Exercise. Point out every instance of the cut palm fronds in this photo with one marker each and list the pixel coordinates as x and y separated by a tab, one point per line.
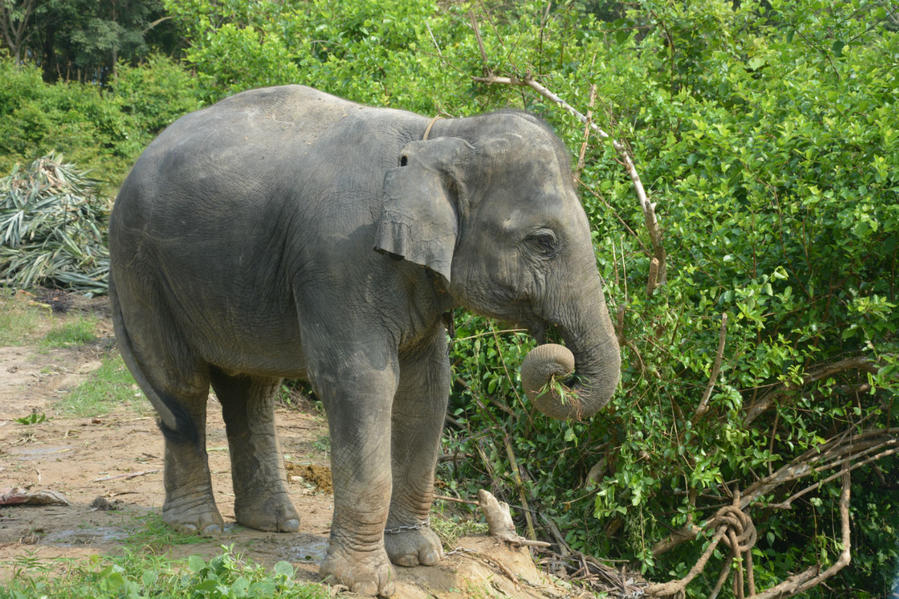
52	226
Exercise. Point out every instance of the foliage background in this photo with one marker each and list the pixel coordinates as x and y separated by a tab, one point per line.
765	131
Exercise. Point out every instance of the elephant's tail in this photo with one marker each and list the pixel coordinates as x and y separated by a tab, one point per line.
174	421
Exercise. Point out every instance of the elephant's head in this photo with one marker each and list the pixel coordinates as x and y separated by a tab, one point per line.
489	205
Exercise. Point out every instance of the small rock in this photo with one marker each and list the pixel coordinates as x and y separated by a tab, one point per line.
104	505
89	367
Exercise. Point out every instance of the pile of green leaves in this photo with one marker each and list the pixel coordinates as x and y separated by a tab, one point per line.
52	228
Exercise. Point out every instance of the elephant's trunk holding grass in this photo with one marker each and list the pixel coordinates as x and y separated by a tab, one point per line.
284	232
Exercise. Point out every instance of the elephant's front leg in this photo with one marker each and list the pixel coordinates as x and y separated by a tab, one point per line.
418	413
357	392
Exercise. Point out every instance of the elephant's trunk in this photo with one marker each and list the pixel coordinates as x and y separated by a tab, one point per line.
594	359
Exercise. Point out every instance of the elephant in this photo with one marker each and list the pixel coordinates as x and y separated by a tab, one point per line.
287	233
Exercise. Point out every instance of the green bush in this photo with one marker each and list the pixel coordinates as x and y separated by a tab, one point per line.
102	130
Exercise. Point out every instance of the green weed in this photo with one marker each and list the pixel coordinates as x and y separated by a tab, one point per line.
80	331
137	575
450	528
33	418
18	319
153	535
323	444
109	386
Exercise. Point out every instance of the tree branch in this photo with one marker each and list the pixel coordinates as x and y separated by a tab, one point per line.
839	450
649	212
703	406
763	403
813	576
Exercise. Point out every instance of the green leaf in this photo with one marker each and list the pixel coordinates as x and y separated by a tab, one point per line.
196	564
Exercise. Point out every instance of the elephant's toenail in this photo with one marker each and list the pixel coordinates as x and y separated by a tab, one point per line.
291	525
365	588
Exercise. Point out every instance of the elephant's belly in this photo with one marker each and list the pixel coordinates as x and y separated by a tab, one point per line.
252	349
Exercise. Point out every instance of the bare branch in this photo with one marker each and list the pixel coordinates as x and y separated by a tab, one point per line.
766	401
583	152
703	406
477	34
813	576
649	213
838	451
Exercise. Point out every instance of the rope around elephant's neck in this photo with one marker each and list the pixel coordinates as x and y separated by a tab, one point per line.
428	129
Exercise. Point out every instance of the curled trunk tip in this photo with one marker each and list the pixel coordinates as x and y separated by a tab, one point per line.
542	372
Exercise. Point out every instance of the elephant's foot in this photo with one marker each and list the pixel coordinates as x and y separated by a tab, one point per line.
273	512
193	514
364	572
413	547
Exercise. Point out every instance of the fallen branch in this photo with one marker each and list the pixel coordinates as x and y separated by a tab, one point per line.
20	496
126	476
499	521
455	499
649	213
841	451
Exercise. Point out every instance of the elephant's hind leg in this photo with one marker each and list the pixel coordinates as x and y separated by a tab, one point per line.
257	471
177	384
189	503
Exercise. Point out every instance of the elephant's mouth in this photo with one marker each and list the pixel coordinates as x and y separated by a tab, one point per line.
544	332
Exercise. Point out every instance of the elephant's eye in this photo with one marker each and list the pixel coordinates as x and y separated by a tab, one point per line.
544	242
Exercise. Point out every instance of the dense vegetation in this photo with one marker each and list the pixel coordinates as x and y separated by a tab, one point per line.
765	131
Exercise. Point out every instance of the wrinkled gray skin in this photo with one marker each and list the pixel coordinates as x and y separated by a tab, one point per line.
284	232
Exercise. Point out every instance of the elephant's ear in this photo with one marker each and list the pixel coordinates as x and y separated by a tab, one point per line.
418	216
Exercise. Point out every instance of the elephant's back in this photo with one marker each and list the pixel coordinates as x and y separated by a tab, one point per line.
287	171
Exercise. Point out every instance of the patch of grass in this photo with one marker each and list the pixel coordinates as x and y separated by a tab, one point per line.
33	418
18	319
450	528
322	444
108	387
137	574
79	331
153	535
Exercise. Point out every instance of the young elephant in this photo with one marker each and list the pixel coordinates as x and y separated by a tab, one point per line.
284	232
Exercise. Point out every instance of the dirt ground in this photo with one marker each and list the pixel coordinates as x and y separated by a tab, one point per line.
116	460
